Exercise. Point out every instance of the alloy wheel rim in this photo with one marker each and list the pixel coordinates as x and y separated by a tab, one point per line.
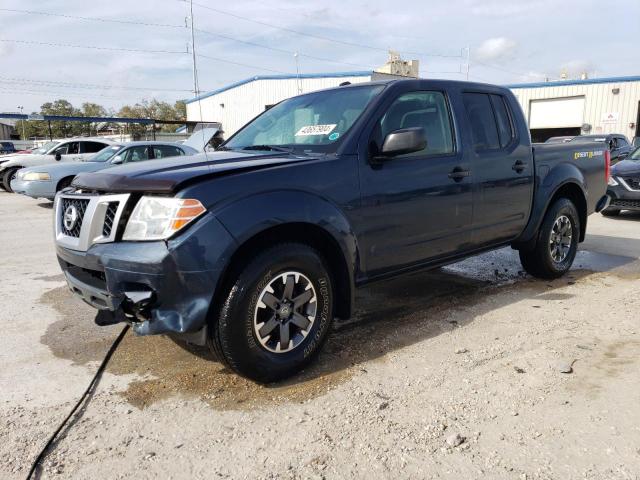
285	312
560	239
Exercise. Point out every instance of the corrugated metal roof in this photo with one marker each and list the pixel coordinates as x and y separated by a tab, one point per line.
362	73
588	81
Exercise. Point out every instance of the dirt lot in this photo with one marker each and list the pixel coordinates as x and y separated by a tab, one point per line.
474	350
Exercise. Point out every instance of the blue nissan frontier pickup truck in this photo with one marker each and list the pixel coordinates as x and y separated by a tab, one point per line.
255	248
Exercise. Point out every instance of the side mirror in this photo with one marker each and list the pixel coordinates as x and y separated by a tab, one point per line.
403	141
58	156
116	160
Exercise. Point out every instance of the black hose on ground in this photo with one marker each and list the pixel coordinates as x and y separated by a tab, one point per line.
94	383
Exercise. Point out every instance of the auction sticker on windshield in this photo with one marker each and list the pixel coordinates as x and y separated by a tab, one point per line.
315	130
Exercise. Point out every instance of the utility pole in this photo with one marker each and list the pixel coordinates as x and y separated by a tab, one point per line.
196	89
21	108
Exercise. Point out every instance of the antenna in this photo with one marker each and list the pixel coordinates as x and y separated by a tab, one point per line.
295	55
196	87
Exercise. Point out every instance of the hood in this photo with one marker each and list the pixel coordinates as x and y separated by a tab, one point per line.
199	139
626	167
164	176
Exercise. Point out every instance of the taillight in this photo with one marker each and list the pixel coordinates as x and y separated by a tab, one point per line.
607	166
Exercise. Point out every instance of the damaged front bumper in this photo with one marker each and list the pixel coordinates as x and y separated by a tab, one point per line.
157	287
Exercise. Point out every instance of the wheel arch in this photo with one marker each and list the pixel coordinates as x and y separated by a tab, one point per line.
564	181
294	216
66	177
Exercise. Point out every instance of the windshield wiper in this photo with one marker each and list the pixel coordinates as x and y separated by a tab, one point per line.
274	148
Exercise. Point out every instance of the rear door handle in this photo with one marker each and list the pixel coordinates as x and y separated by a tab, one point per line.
458	173
519	166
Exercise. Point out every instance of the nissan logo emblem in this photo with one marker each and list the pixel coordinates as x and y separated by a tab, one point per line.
70	217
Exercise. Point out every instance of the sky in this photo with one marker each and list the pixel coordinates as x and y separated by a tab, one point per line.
119	52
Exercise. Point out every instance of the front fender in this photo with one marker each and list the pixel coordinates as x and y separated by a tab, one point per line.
251	215
548	183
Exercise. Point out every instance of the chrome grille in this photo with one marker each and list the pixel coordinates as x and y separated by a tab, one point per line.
96	218
70	205
109	218
625	203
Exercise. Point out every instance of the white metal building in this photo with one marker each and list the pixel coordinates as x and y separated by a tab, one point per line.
236	104
572	107
568	107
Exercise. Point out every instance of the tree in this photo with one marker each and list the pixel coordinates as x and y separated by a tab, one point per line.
144	109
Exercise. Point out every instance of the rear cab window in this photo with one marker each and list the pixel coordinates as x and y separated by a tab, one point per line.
490	121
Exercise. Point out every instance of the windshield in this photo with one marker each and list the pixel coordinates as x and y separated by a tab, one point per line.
316	120
105	154
46	148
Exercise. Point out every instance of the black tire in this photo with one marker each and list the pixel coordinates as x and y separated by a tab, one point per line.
234	330
7	176
539	261
64	183
610	212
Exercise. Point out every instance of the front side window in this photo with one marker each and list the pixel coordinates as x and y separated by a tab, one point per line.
426	109
315	121
136	154
484	132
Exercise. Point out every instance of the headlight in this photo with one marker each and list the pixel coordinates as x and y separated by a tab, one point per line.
38	176
612	182
157	218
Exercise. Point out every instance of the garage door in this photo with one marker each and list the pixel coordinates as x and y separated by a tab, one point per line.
557	113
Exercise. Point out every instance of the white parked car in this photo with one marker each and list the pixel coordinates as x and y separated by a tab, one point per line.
73	149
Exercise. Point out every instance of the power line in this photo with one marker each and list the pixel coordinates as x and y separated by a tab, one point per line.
200	55
90	47
90	19
311	35
89	86
280	50
44	92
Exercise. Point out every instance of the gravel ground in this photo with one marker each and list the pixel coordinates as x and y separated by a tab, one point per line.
471	371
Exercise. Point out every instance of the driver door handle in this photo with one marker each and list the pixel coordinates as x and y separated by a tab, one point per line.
519	166
458	173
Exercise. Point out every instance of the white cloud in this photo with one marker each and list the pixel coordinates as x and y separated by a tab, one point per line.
496	50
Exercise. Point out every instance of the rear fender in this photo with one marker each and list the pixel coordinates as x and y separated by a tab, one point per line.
548	184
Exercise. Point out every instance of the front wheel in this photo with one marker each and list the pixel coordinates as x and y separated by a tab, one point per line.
557	242
8	175
276	314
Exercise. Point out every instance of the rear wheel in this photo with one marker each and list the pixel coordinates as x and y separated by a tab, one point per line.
557	242
276	314
611	212
9	174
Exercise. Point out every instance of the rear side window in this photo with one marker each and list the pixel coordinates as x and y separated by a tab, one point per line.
92	147
503	121
483	125
164	151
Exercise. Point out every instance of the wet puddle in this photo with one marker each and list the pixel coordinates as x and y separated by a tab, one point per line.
391	315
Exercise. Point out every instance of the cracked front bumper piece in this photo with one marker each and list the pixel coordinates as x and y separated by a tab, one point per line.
157	287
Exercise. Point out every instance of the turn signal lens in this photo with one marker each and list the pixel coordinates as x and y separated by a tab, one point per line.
158	218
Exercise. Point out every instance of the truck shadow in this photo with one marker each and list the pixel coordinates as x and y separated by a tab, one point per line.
390	316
